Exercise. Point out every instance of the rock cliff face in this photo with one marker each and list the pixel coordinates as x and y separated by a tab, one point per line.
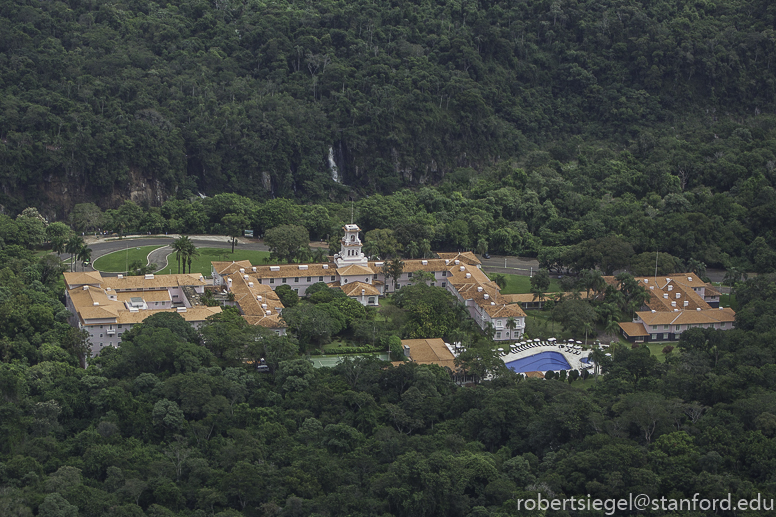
55	196
62	185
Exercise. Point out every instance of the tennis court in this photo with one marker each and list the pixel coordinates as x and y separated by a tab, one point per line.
327	361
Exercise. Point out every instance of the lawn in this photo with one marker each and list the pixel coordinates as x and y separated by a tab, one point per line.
201	263
657	350
728	300
117	261
520	284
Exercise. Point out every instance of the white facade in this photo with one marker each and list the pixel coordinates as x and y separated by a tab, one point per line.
365	281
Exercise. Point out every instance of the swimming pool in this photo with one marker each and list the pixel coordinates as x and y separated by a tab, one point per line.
540	362
585	360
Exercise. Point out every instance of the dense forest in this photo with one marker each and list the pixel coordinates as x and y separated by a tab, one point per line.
103	100
562	220
588	134
174	423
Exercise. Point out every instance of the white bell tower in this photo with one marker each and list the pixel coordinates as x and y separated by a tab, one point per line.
350	248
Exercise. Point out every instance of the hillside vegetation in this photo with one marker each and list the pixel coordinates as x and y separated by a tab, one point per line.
174	423
100	100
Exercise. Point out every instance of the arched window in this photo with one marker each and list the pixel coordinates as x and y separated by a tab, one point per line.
352	237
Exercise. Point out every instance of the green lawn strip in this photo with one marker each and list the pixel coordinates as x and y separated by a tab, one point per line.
728	300
117	261
521	284
333	346
657	349
201	263
584	385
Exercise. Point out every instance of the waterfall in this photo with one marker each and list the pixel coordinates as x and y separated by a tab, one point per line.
333	166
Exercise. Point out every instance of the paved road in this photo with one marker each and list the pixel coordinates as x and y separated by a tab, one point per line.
102	247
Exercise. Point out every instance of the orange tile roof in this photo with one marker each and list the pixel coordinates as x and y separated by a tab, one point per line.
227	267
663	293
466	257
273	321
147	296
292	270
430	351
84	301
355	270
73	279
192	314
512	310
676	287
88	296
247	296
354	289
98	313
633	329
681	317
157	282
459	276
431	265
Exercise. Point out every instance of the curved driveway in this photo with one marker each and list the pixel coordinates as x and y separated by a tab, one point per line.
102	247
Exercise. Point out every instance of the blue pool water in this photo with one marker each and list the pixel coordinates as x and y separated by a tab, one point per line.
540	362
585	360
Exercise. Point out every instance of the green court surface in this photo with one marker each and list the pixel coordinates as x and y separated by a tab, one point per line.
327	361
117	261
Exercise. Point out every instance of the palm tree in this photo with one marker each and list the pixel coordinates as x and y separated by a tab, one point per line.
393	269
319	255
499	279
58	245
177	248
73	245
732	277
489	330
183	247
304	254
191	255
597	355
593	281
424	248
538	294
611	327
412	251
587	327
511	326
84	255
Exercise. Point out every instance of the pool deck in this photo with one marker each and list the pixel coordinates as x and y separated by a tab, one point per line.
575	361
